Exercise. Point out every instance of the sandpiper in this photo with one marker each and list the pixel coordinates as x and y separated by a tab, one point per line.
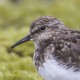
57	49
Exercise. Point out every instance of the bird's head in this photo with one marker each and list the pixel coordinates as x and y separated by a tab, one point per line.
42	29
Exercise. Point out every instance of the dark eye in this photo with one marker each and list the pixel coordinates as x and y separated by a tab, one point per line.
43	28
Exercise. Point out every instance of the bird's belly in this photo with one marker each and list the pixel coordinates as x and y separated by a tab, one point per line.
51	70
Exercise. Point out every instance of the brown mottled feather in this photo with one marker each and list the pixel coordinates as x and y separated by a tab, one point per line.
67	48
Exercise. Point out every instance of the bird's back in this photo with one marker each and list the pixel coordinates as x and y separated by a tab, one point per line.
67	48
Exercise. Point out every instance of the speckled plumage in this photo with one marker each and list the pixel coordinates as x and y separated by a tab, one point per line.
57	49
64	46
66	43
56	42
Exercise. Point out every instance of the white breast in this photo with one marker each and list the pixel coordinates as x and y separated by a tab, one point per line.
51	70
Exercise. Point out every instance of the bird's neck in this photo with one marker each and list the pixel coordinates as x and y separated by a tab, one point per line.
39	55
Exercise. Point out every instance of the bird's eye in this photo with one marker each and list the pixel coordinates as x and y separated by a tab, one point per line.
43	28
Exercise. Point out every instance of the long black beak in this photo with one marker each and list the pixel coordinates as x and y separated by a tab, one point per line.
25	39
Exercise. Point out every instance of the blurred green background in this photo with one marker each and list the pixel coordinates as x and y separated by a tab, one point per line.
15	19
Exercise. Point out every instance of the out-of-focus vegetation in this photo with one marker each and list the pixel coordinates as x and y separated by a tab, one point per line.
15	19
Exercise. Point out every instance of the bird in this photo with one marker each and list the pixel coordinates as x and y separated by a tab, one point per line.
57	49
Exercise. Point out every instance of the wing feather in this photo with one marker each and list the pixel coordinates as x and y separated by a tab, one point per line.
67	48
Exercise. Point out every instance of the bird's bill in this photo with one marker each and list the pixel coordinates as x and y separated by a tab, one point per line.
25	39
